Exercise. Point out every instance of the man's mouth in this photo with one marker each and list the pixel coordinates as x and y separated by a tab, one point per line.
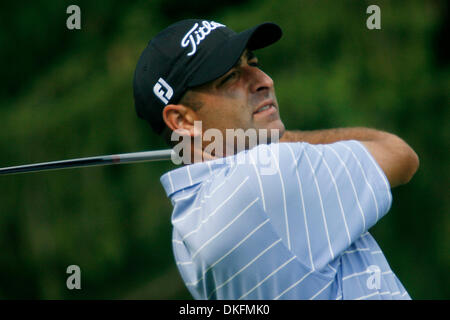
266	108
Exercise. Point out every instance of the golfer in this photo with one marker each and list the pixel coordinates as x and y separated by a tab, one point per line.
297	231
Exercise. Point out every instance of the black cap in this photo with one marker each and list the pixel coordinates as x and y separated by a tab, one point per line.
186	54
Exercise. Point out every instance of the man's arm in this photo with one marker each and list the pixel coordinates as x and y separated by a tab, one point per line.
395	157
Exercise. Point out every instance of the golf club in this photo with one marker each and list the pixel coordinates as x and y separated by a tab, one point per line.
133	157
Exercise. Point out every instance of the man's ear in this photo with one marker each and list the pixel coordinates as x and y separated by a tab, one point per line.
180	118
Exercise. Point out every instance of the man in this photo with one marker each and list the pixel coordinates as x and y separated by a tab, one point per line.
299	232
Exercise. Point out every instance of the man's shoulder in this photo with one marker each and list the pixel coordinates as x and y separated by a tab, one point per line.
262	160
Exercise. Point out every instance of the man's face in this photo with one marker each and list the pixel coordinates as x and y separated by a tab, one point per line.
242	98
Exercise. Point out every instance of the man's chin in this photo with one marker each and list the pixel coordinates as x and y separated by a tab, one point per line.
273	131
276	130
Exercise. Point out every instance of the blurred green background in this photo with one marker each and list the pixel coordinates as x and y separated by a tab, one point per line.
68	94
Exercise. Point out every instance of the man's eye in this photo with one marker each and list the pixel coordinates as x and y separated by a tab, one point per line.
232	75
229	77
253	63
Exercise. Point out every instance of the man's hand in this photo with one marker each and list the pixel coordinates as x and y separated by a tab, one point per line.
395	157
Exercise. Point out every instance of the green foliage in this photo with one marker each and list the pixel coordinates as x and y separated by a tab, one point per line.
68	94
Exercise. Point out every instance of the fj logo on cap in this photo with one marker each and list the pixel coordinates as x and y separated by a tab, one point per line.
200	34
163	91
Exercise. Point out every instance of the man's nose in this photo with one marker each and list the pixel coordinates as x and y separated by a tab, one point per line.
260	81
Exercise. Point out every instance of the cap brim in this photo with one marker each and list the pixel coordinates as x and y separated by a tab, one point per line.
226	56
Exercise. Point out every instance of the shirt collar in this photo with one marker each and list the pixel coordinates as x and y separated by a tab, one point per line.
189	175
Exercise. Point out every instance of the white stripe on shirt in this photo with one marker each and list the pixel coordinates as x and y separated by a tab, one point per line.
243	268
228	253
189	174
382	175
303	207
353	186
172	189
284	201
259	182
224	228
215	210
366	180
293	285
321	290
356	250
321	204
186	215
265	279
339	199
222	183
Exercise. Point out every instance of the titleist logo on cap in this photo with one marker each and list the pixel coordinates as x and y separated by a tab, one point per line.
200	34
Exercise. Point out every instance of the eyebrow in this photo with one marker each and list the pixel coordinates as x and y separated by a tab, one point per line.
249	55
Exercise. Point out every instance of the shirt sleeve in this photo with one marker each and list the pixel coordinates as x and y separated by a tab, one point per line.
332	194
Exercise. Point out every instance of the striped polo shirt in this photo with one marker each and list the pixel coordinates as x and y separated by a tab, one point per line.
292	224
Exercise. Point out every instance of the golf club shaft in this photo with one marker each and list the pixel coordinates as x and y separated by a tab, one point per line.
91	161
